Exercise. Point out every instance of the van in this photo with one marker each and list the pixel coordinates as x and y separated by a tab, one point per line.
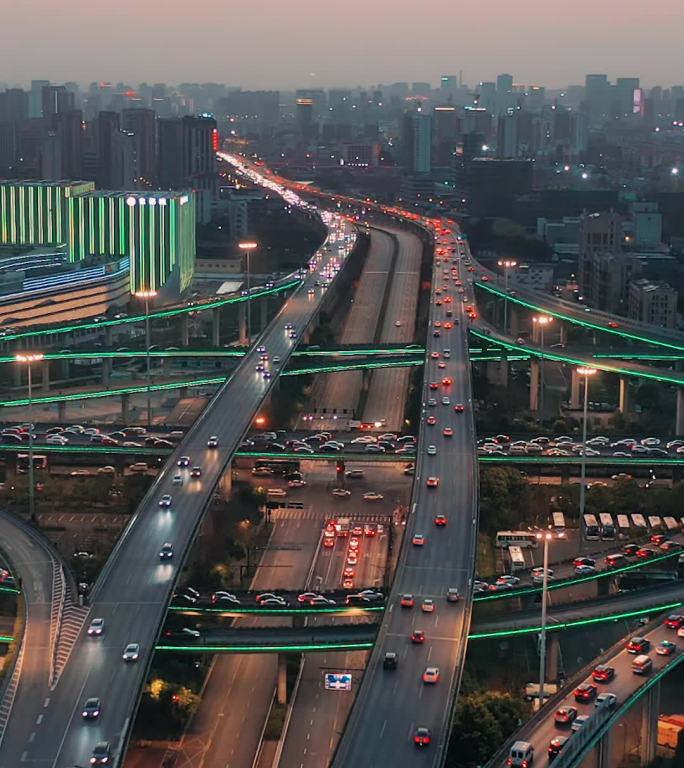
139	466
521	755
642	665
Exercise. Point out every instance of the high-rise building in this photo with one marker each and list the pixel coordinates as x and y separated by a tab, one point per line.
108	127
36	97
69	128
14	105
505	99
304	117
647	224
597	97
417	142
487	96
141	123
599	233
55	100
623	103
446	124
507	134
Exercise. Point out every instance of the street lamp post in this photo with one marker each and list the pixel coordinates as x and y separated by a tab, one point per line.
248	246
506	264
587	373
28	359
546	537
147	295
542	321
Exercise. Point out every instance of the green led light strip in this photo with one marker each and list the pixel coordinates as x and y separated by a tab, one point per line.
576	623
89	448
569	318
326	456
52	331
571	582
354	367
6	639
273	611
577	459
360	646
595	362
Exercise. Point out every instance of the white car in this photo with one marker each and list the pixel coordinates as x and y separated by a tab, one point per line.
96	628
373	496
131	652
428	605
432	450
446	401
341	493
178	479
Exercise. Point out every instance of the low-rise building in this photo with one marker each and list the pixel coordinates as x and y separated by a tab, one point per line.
653	302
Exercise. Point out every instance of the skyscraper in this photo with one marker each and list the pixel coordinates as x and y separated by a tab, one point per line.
507	134
417	142
108	126
446	134
141	123
597	96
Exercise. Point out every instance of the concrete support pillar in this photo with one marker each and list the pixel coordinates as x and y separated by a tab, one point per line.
497	372
64	369
226	482
242	324
45	375
679	418
282	679
575	390
16	374
604	751
108	334
106	370
263	313
650	709
534	385
185	330
624	395
216	327
536	333
125	408
61	411
563	335
513	320
552	655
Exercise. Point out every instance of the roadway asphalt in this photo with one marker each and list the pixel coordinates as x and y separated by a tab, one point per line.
135	586
391	705
387	390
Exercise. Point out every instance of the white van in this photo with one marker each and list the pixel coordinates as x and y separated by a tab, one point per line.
521	755
642	664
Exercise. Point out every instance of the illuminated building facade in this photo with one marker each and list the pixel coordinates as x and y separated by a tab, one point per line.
155	230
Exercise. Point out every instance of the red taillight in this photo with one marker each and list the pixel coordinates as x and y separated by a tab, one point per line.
524	764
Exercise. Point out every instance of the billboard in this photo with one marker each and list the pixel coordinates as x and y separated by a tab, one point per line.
337	682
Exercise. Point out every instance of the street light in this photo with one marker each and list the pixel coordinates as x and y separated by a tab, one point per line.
541	321
506	264
546	537
587	373
147	295
28	359
248	246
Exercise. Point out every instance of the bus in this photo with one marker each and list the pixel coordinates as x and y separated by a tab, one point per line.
517	559
591	528
516	539
278	466
558	520
607	526
40	461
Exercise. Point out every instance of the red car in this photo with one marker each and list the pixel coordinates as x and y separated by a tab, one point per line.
348	573
328	542
447	381
645	552
418	636
586	692
459	408
657	538
565	716
448	432
407	601
603	673
440	520
432	482
638	645
674	621
422	737
431	420
434	385
613	324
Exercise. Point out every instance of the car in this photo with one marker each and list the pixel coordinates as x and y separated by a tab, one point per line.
603	673
616	560
448	432
674	621
508	579
341	493
356	599
184	461
555	746
407	601
213	442
373	496
131	652
328	542
348	573
584	570
434	355
613	324
428	605
222	597
433	385
166	552
296	483
166	501
453	595
354	473
369	530
268	596
96	627
101	754
418	636
91	709
391	660
422	737
459	408
431	675
447	381
352	558
586	692
304	597
441	364
579	722
432	482
638	645
630	550
177	480
432	450
446	401
583	561
196	472
320	600
657	538
646	553
565	716
418	540
665	648
431	421
353	543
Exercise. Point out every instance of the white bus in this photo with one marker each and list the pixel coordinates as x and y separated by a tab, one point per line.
591	528
623	522
638	520
516	539
558	520
607	526
671	524
655	522
517	559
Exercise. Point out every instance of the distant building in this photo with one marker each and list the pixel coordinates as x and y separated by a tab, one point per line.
599	233
538	277
653	302
495	184
446	132
647	225
507	135
417	142
611	275
361	155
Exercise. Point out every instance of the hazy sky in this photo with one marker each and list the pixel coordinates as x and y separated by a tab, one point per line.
287	43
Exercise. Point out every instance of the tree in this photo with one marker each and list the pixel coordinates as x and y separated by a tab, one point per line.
504	498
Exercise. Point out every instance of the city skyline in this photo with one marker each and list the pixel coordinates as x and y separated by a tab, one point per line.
385	47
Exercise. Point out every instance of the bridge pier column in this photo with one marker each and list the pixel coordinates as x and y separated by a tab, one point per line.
513	320
604	751
679	419
282	679
185	330
552	656
242	324
534	385
109	336
575	390
61	411
263	314
650	709
497	373
125	408
16	375
624	395
106	370
45	371
64	370
563	334
216	327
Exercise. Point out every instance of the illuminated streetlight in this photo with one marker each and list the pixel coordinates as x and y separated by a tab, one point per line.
541	321
506	264
546	536
586	373
27	359
248	246
147	295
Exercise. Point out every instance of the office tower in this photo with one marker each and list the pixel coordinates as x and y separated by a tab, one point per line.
304	118
421	89
417	142
448	83
597	97
654	303
487	96
507	134
504	93
599	233
14	105
249	113
56	100
446	134
69	128
107	130
623	104
36	97
534	98
141	123
51	165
